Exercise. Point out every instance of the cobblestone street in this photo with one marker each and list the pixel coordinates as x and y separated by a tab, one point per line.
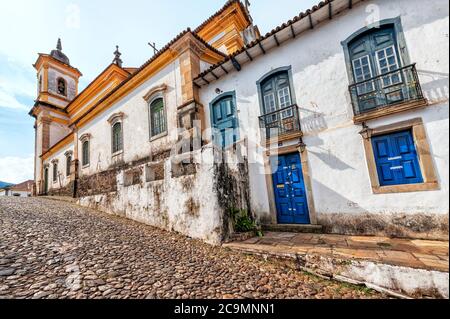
51	249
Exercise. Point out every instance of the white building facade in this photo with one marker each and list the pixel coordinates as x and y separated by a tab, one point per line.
336	121
350	187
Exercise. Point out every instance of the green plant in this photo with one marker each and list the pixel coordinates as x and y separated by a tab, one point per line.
243	223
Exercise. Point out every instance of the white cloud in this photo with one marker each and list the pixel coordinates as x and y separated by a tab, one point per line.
16	169
15	81
9	101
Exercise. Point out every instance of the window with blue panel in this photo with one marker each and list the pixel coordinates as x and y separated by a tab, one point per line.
396	159
224	120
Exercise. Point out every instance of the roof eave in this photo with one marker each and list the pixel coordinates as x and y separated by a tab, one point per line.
272	39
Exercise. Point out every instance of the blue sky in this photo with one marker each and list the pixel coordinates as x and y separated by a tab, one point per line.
90	29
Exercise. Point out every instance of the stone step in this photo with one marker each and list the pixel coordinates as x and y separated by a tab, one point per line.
294	228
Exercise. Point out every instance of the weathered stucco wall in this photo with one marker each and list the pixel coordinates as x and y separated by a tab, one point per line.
192	201
136	130
342	191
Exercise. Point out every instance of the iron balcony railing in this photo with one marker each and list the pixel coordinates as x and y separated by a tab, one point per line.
280	122
395	87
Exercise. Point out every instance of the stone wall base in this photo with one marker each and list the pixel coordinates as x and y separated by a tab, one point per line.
420	226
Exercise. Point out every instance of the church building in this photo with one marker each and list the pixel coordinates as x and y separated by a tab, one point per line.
335	121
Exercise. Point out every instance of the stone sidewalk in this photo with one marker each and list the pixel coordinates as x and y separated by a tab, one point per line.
335	255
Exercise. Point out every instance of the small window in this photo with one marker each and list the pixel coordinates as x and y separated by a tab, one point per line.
68	164
55	172
117	140
62	87
85	151
40	83
157	117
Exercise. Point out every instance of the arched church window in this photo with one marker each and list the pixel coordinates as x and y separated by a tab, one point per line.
85	153
62	87
68	164
157	117
55	172
117	141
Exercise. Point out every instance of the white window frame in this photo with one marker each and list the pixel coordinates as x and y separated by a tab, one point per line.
371	74
389	76
287	113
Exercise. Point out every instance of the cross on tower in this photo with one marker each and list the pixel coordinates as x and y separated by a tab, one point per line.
117	60
153	46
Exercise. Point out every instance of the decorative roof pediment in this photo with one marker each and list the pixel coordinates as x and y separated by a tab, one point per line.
85	137
68	153
154	90
116	117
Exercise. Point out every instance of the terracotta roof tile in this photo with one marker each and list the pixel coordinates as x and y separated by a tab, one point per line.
219	12
287	24
23	187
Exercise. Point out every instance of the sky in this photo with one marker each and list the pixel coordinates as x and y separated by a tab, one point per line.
90	30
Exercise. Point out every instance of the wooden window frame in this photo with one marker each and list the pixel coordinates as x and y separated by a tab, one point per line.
68	164
55	172
157	96
425	159
224	95
113	142
86	162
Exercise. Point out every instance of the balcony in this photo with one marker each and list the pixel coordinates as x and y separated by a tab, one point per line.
282	124
390	93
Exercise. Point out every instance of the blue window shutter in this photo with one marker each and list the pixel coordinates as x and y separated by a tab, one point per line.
224	121
396	159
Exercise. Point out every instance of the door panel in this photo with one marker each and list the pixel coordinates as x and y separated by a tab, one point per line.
290	194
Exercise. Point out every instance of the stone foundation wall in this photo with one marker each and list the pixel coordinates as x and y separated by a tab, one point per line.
420	226
101	183
66	191
190	198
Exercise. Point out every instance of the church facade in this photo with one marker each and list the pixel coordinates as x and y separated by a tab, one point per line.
335	121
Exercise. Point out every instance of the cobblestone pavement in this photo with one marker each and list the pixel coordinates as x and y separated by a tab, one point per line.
51	249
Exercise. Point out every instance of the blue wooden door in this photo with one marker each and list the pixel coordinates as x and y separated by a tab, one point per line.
224	120
396	159
289	187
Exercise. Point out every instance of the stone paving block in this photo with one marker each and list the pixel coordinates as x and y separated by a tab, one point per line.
356	253
131	260
441	265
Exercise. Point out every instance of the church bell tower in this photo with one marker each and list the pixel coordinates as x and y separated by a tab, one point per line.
57	86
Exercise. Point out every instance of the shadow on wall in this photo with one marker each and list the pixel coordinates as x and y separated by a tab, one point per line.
313	122
435	85
331	160
326	156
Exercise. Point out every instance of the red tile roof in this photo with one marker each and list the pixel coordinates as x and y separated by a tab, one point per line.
256	42
23	187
